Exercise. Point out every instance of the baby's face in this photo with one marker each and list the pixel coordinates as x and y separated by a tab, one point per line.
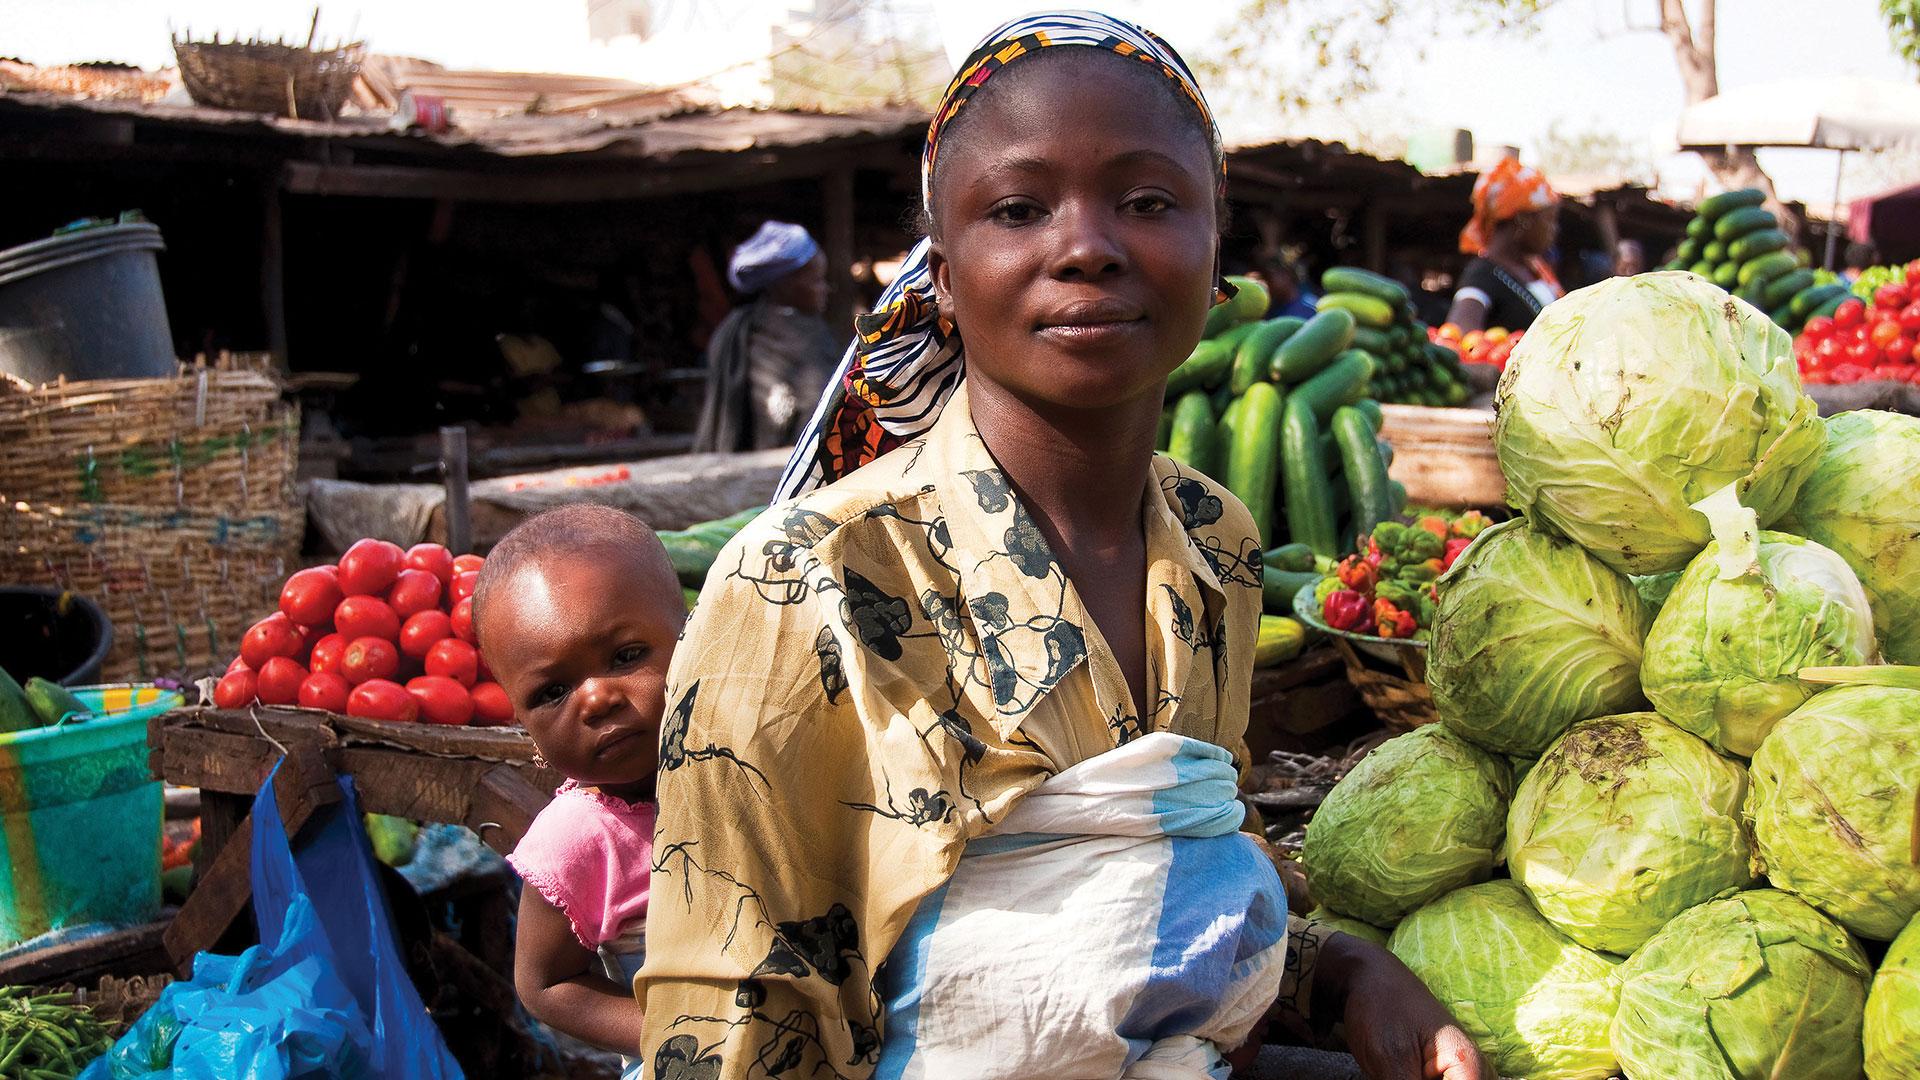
581	643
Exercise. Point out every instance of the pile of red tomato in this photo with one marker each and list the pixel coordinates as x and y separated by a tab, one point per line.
1862	341
1490	346
386	634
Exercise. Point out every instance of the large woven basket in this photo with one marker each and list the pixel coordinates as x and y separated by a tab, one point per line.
269	76
171	502
1399	698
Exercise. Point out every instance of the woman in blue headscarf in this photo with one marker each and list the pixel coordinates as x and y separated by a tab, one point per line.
948	767
770	357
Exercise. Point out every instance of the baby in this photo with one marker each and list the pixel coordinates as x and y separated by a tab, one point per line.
577	611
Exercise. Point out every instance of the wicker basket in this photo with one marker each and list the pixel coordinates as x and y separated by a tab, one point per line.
171	502
1400	699
269	76
117	1003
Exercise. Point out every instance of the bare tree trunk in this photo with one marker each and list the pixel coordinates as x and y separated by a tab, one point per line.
1693	50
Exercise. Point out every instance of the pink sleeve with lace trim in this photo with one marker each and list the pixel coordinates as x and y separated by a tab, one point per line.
590	856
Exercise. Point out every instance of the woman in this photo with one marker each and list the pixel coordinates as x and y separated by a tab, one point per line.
1516	217
945	780
769	357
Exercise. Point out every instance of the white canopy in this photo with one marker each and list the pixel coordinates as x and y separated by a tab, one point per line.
1835	113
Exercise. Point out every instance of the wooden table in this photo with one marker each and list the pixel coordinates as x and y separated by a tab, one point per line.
1444	456
483	778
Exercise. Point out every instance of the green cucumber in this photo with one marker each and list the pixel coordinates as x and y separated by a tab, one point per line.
1783	317
1807	300
1191	443
1768	266
1249	304
1210	362
1386	452
1279	587
1342	382
1827	307
1223	437
1715	252
1754	294
1737	223
50	701
1713	206
1313	346
1253	456
1255	355
1309	499
1726	275
1354	279
14	713
1703	268
1755	244
1292	557
1366	474
1377	342
690	558
1399	497
1366	310
1688	253
1374	416
1700	228
1785	287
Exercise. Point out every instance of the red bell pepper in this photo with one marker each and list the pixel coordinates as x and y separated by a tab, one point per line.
1348	610
1454	547
1394	623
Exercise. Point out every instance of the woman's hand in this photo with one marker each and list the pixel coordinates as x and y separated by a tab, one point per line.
1396	1029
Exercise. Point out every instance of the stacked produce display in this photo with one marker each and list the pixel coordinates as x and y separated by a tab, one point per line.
1736	243
1667	821
1409	368
1492	346
1873	333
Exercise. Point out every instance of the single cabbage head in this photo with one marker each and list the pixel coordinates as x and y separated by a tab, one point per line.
1420	816
1750	612
1626	822
1537	1004
1833	806
1363	930
1633	399
1893	1011
1862	502
1757	986
1531	634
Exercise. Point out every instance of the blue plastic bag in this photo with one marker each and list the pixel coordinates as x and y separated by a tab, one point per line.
325	994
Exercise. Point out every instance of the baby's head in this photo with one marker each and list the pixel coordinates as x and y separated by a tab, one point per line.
577	611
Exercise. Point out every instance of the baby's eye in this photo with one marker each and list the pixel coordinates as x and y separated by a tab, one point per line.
550	694
630	654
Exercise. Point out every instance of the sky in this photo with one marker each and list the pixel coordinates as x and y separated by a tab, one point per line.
1581	69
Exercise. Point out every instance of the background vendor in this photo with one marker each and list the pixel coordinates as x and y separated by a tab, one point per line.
1516	217
770	358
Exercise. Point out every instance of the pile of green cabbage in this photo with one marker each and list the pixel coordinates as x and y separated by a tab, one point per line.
1696	539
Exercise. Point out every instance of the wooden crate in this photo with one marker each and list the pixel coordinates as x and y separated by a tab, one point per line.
1444	456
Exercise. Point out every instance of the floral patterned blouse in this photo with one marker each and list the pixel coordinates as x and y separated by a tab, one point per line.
875	673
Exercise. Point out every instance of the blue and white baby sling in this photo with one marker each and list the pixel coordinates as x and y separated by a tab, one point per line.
1114	924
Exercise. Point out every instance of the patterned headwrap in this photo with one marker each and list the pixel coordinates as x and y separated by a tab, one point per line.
905	359
1507	190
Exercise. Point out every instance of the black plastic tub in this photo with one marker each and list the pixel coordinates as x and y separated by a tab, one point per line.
86	305
59	636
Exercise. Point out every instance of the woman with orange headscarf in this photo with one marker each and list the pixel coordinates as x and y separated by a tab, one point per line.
1516	216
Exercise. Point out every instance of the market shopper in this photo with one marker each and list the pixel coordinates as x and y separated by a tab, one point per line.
948	771
1516	217
769	358
577	611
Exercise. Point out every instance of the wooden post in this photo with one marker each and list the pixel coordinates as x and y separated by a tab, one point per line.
837	192
273	277
453	470
1607	217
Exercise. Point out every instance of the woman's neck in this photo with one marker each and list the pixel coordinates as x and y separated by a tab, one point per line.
1509	253
1081	473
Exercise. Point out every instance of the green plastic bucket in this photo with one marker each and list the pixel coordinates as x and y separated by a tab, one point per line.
80	817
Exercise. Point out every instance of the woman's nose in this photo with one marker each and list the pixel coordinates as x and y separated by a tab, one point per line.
1087	245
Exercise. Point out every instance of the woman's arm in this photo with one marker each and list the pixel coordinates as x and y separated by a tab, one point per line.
560	981
1469	313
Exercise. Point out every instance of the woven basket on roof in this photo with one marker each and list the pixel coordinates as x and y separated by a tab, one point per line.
1401	700
171	502
269	77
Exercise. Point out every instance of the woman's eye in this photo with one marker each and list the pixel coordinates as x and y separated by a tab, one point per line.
1015	213
1149	204
630	654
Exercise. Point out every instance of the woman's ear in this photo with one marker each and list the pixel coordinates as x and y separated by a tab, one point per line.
939	271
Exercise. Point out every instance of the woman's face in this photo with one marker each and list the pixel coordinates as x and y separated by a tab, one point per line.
1075	232
1539	229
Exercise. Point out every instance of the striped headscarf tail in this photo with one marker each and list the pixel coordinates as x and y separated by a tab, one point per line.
906	359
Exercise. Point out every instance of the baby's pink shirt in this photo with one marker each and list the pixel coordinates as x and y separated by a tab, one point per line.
591	855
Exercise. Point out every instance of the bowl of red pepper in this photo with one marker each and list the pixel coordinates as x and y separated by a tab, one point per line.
1382	598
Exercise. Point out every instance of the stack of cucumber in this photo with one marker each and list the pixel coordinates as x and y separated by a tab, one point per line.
1277	410
1738	244
693	549
1408	369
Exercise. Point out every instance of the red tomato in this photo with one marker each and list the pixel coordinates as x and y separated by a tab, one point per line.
325	658
309	596
1848	373
279	681
1915	355
433	558
1912	272
323	690
413	591
235	690
490	704
1910	318
369	567
369	658
417	637
366	616
442	700
1862	354
379	699
467	564
1890	297
462	586
1850	313
1883	332
463	620
1890	373
239	664
454	659
272	636
1818	327
1898	350
1829	350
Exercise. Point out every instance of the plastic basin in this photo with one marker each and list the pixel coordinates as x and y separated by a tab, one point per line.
80	817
